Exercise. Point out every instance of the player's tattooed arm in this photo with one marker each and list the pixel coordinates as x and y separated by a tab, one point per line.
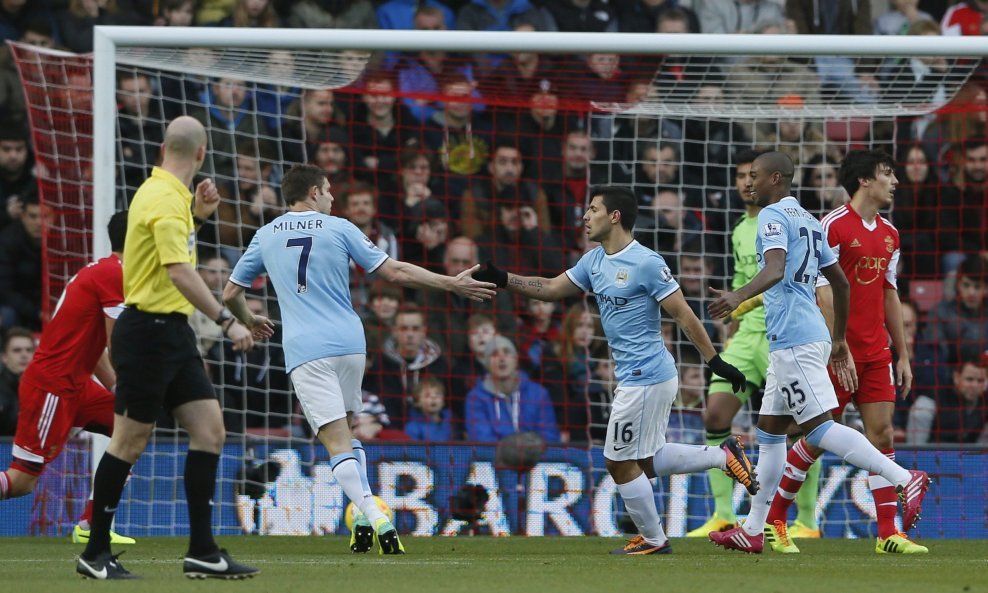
543	289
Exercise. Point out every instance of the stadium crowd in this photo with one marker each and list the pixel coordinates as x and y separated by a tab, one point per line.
449	160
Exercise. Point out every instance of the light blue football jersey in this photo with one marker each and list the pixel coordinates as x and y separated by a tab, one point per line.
307	256
792	317
628	286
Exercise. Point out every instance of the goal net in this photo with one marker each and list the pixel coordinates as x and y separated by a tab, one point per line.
449	149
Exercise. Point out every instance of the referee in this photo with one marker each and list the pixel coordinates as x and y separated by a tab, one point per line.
157	363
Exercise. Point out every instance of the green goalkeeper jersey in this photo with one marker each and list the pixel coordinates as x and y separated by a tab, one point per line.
745	268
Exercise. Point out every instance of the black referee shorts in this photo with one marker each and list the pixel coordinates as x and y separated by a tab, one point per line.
158	364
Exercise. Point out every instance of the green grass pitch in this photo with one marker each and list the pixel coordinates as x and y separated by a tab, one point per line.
516	564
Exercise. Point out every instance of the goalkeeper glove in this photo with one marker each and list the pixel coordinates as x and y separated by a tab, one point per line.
491	273
729	372
748	305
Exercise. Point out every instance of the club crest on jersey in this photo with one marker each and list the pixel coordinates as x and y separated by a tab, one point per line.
889	243
621	278
772	229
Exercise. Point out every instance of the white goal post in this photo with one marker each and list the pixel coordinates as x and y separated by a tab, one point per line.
109	41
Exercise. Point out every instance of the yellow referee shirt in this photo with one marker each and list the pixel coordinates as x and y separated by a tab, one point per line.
160	231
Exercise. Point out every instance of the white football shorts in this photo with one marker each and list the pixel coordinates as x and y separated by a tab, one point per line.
639	419
797	383
328	388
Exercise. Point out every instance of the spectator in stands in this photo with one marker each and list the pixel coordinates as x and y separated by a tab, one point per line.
538	334
520	238
964	205
372	422
901	15
819	190
20	267
643	16
520	76
964	116
763	79
505	186
408	357
692	382
830	17
402	14
332	14
318	112
16	171
253	385
358	204
568	193
429	419
247	201
696	273
423	73
469	368
506	401
916	79
214	271
453	312
457	133
583	16
500	15
567	369
140	120
423	240
251	13
38	31
957	329
18	349
18	16
799	138
916	214
75	23
965	18
227	112
541	131
955	415
381	128
177	13
603	80
274	101
330	154
708	145
667	226
743	16
413	185
383	300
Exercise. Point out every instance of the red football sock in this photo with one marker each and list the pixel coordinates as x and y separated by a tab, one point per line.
87	515
886	501
798	461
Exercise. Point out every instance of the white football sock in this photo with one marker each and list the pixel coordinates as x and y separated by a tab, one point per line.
854	448
346	470
361	455
771	463
676	458
639	499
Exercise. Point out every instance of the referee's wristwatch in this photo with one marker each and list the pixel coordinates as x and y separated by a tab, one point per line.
224	317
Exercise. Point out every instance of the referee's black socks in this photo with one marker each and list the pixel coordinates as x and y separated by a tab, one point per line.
200	484
111	475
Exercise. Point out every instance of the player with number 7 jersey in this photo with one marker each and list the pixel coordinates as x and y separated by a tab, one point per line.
792	252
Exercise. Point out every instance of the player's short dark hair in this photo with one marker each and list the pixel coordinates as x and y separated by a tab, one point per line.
621	199
117	229
861	164
745	156
296	183
974	268
16	332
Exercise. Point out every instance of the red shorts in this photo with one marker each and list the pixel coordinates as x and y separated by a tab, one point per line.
45	422
876	383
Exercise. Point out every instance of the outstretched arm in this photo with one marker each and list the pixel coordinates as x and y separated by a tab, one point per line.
533	287
412	276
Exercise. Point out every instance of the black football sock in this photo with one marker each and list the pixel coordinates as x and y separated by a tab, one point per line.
200	483
108	484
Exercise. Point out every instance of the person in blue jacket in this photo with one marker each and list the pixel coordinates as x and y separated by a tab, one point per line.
506	401
429	419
